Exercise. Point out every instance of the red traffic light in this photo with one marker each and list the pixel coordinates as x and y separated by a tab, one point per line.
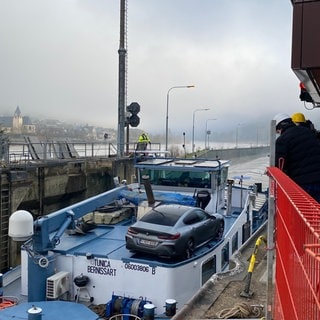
304	94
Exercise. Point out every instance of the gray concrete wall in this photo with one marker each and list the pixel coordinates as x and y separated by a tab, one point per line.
45	188
227	154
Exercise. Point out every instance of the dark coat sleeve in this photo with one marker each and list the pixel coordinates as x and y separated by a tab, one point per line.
298	155
281	157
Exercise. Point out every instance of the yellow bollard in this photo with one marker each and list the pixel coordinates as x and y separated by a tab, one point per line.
246	292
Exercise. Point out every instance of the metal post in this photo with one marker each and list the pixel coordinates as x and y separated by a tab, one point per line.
184	144
205	109
122	94
237	133
206	139
270	239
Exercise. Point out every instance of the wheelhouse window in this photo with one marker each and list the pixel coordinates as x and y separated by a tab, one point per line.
178	178
225	256
209	268
235	242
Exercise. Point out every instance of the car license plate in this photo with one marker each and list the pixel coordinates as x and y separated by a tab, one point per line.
148	243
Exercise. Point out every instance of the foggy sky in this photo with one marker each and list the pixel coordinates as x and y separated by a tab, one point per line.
59	59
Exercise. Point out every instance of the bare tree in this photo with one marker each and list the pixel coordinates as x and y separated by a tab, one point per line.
4	146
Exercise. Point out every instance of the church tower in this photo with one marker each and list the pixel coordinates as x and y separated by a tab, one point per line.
17	121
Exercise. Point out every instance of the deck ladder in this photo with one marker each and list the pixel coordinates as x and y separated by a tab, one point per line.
4	221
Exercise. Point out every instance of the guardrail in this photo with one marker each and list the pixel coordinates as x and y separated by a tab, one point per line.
34	151
297	244
22	153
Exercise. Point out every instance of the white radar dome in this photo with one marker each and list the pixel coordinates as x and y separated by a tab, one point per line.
21	225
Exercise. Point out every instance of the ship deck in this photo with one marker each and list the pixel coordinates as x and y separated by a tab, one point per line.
107	241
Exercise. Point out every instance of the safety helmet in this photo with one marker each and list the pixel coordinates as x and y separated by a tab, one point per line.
298	117
281	117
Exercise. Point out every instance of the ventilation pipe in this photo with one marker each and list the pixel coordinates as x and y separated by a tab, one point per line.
229	196
148	188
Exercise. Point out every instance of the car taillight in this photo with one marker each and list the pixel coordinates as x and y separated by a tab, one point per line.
132	231
169	236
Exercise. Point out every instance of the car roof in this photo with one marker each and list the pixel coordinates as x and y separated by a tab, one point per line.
165	214
173	208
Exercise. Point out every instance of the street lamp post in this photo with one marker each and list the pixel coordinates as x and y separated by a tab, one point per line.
184	144
237	133
194	112
206	138
167	113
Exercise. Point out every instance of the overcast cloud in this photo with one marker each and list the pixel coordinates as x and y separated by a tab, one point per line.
59	59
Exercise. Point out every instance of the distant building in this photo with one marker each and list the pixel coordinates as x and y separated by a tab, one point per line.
17	124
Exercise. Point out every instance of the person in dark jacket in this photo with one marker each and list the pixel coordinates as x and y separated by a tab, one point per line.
297	154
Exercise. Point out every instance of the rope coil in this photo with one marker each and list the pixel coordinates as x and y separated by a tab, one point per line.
241	311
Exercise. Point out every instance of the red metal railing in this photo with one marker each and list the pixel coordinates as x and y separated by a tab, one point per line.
297	244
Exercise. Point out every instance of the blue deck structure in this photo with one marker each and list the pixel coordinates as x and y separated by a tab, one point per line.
53	310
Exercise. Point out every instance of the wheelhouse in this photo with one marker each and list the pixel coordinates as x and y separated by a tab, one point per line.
186	175
192	173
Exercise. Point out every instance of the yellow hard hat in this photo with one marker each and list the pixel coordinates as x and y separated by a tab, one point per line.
298	117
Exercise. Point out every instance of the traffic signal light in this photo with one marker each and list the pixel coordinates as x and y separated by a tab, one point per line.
134	108
304	94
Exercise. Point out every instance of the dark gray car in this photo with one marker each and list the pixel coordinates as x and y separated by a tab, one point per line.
172	230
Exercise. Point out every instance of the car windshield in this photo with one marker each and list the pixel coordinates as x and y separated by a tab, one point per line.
161	218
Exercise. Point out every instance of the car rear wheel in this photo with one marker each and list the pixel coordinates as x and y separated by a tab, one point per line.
189	249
